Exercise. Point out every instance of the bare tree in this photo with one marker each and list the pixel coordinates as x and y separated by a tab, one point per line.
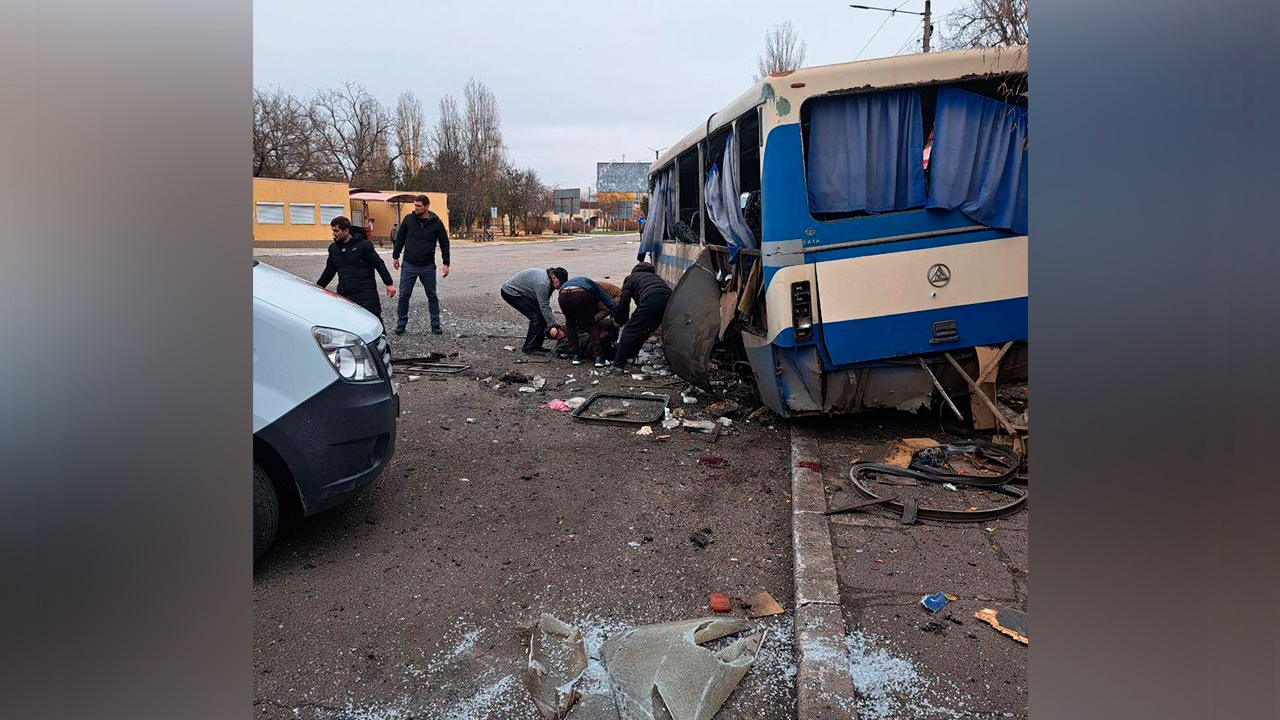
783	51
354	127
986	23
484	148
410	134
445	169
284	135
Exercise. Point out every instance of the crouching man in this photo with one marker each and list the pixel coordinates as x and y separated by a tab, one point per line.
529	292
651	294
587	306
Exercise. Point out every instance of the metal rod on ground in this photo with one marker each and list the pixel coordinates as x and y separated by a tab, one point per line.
938	385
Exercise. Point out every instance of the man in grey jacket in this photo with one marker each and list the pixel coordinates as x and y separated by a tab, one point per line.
529	291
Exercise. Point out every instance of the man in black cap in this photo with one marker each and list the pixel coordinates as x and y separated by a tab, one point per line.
529	291
651	294
354	260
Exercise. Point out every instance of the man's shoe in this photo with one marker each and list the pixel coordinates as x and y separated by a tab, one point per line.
577	359
600	362
437	331
399	331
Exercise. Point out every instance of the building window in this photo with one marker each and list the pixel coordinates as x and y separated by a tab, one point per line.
270	213
329	212
302	214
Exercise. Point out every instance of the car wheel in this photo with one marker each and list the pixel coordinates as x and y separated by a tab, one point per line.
266	512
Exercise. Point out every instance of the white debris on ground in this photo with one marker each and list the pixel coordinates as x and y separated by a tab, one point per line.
497	693
890	686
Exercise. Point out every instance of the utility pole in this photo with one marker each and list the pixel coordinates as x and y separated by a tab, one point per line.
928	24
927	14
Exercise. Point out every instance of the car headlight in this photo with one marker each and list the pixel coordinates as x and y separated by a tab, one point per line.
348	354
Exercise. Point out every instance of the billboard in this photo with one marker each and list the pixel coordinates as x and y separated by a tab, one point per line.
568	200
626	177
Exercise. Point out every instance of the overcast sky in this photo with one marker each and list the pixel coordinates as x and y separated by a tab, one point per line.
578	82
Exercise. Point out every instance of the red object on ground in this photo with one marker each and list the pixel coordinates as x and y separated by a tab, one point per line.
813	465
720	603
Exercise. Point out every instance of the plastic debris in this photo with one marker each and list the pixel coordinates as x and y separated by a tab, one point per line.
670	423
539	382
557	660
637	377
700	425
527	389
646	430
934	602
950	487
415	378
558	405
720	603
508	348
689	400
663	670
724	421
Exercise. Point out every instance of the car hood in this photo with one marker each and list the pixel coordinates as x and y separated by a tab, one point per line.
311	303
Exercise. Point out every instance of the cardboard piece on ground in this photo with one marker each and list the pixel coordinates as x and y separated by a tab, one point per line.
988	616
762	604
900	451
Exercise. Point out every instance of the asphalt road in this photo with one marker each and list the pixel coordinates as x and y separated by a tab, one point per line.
409	601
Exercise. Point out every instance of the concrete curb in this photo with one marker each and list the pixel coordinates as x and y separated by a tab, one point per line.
824	688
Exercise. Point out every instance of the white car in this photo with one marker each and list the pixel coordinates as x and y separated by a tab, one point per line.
324	404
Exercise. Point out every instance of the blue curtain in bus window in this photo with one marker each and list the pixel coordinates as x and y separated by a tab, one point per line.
978	163
866	152
723	207
661	216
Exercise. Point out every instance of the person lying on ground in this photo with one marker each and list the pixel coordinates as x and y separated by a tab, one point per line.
587	306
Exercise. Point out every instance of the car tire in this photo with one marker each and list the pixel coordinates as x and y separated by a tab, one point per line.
266	512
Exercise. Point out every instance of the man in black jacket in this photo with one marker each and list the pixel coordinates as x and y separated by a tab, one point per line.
651	294
417	237
354	261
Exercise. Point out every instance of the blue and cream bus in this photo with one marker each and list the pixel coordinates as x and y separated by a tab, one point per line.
843	228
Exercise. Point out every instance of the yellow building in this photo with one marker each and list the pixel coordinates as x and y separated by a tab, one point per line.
296	212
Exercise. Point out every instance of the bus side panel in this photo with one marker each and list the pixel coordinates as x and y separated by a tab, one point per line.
921	301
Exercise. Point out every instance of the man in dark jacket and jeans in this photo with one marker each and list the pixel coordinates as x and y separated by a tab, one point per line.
354	261
651	294
417	237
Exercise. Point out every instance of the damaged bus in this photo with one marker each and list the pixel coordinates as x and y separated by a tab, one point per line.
856	233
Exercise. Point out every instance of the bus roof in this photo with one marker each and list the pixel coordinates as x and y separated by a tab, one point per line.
899	71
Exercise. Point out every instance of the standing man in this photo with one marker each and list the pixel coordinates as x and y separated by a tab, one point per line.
417	237
529	291
354	262
587	305
651	294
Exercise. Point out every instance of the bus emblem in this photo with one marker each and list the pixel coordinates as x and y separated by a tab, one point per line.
939	275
